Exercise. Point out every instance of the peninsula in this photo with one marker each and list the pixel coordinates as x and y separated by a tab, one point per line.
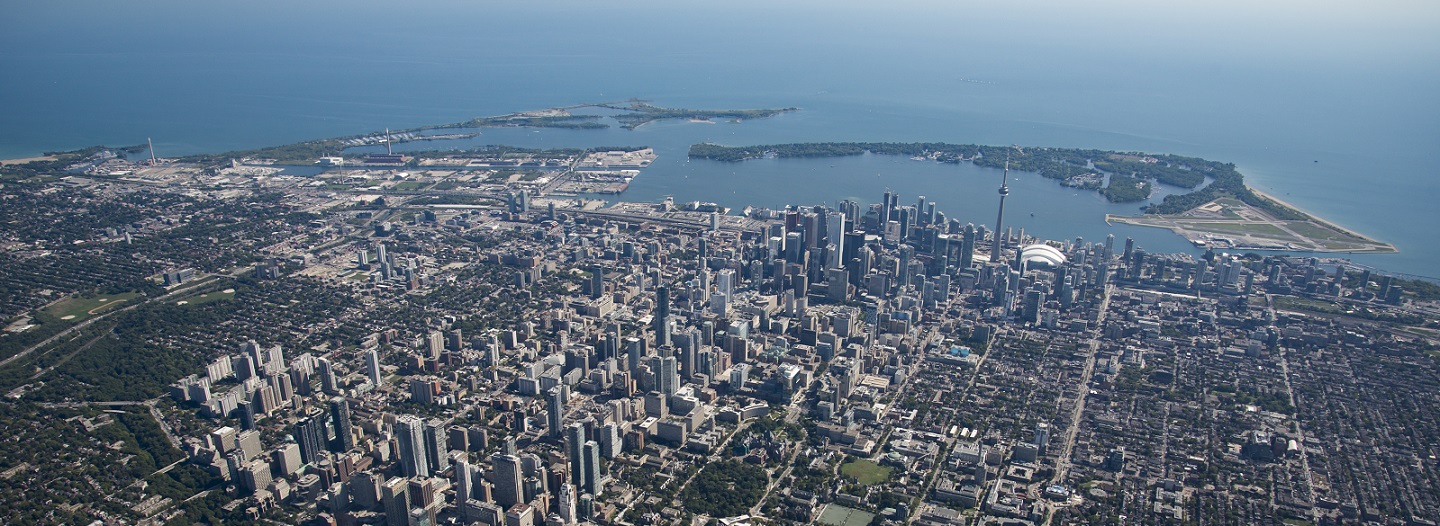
630	114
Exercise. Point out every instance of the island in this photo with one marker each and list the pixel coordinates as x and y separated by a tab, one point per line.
639	113
1219	211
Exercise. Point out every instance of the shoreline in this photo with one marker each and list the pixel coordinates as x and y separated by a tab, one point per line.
1112	219
23	160
1195	230
1321	220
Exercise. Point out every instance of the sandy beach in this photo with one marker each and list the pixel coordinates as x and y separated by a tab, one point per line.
6	162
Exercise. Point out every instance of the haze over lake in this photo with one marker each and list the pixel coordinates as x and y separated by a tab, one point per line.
1331	107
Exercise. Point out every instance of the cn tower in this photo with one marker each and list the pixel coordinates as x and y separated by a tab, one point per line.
1000	218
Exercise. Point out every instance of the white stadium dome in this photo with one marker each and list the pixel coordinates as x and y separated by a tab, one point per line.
1042	254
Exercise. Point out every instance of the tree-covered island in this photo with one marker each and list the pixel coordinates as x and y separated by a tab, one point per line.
1129	172
639	113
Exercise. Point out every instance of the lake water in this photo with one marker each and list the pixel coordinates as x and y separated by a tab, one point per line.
1330	107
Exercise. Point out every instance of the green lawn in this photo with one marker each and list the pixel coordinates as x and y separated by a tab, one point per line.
1314	231
78	309
837	515
209	297
411	185
866	472
1254	229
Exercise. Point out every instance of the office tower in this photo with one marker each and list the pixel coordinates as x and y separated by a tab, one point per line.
422	390
434	344
835	237
967	246
586	506
464	482
689	345
567	503
850	209
839	285
410	433
507	478
668	376
275	362
286	460
705	363
725	282
655	404
597	282
739	374
661	321
492	352
575	452
520	202
1137	266
906	221
610	443
395	495
380	255
340	417
555	411
1012	289
310	436
372	366
455	340
224	439
1030	312
1230	273
1001	281
906	252
328	382
662	307
885	207
365	490
593	478
246	409
1042	436
810	225
256	355
460	439
1000	216
634	348
437	447
794	247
